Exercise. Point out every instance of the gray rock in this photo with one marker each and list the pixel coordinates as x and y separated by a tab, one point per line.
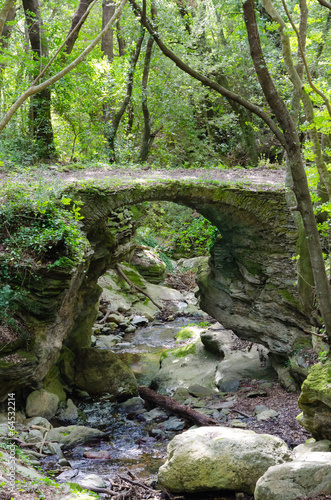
100	371
93	481
200	391
34	436
73	435
217	341
63	462
130	329
181	394
315	401
40	421
266	415
42	403
106	341
238	365
174	424
228	385
307	477
132	404
139	321
70	413
214	458
311	446
53	449
185	366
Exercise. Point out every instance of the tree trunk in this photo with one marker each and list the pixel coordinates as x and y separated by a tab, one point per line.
115	123
4	12
147	139
81	9
120	40
6	32
107	43
171	404
40	104
300	184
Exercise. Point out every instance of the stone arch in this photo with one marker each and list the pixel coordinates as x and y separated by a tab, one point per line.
249	285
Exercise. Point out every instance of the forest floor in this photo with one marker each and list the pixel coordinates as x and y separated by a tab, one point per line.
261	178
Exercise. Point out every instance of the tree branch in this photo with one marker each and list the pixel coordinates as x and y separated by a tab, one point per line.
314	88
205	80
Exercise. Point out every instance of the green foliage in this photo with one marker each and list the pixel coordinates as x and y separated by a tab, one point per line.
323	356
176	231
38	229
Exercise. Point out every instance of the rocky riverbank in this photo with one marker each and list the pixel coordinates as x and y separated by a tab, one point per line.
204	367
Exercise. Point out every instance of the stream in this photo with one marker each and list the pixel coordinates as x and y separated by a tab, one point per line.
136	441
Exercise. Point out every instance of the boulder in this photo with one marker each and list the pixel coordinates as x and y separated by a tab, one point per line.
238	365
217	341
185	366
73	435
216	458
315	401
100	372
148	264
42	404
311	446
306	477
70	413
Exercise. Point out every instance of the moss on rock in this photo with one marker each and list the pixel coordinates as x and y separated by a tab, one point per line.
315	401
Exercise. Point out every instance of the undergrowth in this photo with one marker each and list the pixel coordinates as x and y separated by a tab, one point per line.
38	229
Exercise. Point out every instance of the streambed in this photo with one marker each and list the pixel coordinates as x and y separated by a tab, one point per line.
136	441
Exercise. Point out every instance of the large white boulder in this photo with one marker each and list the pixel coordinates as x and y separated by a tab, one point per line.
216	458
307	476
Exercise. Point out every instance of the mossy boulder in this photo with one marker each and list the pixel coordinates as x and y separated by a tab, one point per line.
54	384
149	264
315	401
42	404
102	372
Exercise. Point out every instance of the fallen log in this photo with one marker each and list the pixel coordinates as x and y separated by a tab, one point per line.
170	404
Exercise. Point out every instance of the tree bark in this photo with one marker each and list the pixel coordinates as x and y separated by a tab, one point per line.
40	104
120	40
107	43
7	7
71	40
170	404
119	114
6	32
147	139
300	184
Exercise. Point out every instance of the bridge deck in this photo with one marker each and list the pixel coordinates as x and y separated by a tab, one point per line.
254	179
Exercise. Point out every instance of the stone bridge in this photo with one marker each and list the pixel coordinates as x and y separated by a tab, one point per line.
250	283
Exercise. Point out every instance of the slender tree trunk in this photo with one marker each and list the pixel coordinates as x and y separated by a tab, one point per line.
4	12
300	184
107	43
40	104
6	32
147	139
71	40
120	40
115	123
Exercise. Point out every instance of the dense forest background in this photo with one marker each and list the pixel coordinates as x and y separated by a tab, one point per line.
129	103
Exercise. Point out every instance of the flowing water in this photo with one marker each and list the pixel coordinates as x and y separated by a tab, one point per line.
132	444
